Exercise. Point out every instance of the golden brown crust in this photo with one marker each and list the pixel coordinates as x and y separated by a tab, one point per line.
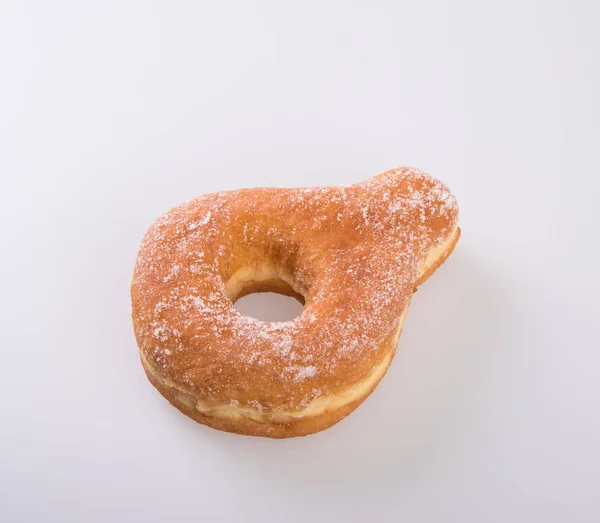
250	427
353	254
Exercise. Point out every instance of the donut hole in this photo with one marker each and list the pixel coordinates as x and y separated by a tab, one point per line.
269	300
263	292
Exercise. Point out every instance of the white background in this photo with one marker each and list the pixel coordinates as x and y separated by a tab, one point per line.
112	112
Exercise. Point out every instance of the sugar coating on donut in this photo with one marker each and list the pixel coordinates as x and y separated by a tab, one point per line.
353	252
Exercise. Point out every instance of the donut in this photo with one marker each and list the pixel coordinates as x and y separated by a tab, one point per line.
352	255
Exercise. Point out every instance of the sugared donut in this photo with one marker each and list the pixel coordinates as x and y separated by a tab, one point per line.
353	255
